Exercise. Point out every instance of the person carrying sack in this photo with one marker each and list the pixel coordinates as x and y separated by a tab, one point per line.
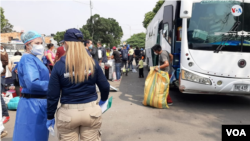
164	60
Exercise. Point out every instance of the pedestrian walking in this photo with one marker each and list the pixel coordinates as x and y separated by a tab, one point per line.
124	53
79	116
131	58
31	115
94	52
102	55
164	60
137	55
51	56
4	61
12	63
3	133
117	56
60	51
88	45
141	65
108	53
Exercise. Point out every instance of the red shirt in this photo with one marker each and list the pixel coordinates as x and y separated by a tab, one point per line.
60	52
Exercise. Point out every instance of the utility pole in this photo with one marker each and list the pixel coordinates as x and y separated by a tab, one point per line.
129	29
91	7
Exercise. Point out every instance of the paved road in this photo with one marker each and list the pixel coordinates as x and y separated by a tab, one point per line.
191	118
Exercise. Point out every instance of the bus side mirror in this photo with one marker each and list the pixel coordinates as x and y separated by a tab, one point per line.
186	8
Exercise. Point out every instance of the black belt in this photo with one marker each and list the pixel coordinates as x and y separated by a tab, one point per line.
34	96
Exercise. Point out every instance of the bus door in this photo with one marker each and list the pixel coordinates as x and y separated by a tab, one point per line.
176	50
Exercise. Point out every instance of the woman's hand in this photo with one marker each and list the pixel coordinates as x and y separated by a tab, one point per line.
50	122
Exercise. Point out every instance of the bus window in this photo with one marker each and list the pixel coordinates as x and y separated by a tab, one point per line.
168	23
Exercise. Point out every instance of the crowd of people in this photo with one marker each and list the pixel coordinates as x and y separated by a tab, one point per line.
70	76
123	57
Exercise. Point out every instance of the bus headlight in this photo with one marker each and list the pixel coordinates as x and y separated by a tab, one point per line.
195	78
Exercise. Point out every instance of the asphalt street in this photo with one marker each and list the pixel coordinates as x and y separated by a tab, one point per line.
191	118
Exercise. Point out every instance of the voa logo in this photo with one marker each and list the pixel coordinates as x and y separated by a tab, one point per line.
236	10
236	132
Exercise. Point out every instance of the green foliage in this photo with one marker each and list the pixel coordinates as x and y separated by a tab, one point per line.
85	32
137	40
108	31
3	20
150	15
59	36
7	28
5	25
158	6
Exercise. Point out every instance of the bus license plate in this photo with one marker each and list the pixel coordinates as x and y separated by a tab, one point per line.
241	88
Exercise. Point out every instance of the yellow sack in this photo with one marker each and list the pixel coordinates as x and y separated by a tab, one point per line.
156	89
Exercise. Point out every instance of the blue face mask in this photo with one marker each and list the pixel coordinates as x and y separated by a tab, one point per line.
91	46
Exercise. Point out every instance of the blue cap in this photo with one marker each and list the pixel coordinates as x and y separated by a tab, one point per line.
30	35
73	35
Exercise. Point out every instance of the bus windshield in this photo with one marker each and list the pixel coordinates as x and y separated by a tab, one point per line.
211	23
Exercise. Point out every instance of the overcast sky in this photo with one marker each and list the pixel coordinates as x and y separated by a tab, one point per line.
48	17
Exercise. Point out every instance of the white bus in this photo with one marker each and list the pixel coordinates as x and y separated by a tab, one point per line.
210	41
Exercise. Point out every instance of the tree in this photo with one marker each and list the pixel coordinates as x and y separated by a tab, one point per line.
150	15
59	36
7	28
85	32
108	31
5	25
3	20
97	28
137	40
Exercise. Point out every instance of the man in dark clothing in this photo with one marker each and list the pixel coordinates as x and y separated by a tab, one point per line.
94	52
137	55
103	58
88	44
117	56
124	59
165	59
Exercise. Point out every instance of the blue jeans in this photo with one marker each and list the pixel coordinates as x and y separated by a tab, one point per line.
118	70
4	108
130	64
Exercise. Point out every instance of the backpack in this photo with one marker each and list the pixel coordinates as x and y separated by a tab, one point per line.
45	59
125	55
